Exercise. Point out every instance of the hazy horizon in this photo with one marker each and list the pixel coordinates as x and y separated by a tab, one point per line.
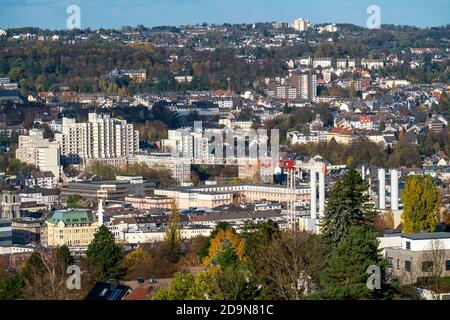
114	14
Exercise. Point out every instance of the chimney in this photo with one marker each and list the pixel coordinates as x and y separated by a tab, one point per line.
313	194
321	194
100	213
394	189
382	189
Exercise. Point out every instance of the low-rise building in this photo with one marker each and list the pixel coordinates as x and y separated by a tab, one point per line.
45	180
42	196
237	216
178	166
108	189
72	227
217	195
146	203
411	257
341	135
297	137
26	231
5	233
9	205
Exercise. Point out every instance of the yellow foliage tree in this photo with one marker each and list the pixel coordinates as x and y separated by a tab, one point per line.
216	246
389	219
421	202
137	257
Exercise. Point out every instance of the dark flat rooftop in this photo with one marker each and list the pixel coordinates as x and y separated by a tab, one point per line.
427	235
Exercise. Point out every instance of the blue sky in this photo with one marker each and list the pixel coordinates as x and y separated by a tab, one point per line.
116	13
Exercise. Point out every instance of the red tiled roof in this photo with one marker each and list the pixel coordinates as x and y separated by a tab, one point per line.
365	118
342	131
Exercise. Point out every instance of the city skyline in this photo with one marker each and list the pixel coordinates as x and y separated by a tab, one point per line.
51	14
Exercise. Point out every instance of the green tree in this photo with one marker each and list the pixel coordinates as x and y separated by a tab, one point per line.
420	205
172	236
104	258
185	286
12	287
64	257
72	201
344	276
178	289
288	266
348	205
257	234
45	274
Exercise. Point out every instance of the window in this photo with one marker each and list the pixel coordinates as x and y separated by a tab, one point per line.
398	264
447	265
408	245
407	265
427	266
389	262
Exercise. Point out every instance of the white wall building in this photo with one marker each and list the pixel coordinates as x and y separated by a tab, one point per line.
296	137
322	62
100	137
34	149
372	64
180	167
301	24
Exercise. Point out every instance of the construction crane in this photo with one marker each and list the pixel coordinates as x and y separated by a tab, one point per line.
292	171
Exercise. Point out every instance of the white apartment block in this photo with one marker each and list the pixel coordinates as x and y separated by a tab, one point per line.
326	75
372	64
322	62
304	61
328	28
301	24
296	137
180	167
346	63
100	137
281	91
297	86
34	149
291	93
307	86
186	143
225	104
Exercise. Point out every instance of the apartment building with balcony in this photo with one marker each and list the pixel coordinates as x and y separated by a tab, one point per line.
98	138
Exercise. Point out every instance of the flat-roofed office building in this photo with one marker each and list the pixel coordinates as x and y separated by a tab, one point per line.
5	233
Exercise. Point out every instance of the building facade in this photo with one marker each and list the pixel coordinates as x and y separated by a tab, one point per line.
72	227
26	231
5	233
107	189
411	257
100	137
10	205
34	149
